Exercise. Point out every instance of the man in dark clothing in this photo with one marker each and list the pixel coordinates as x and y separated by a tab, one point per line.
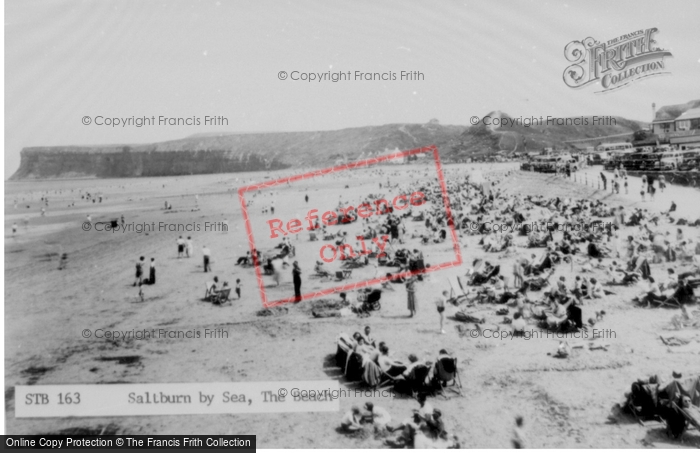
152	273
296	274
605	181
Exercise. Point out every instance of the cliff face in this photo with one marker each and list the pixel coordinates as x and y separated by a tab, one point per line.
228	153
73	162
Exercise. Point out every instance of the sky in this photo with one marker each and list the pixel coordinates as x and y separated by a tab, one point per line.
65	60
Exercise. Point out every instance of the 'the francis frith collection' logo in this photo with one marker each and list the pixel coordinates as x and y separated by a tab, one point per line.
616	63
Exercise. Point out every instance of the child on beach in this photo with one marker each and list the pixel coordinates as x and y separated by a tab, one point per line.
238	287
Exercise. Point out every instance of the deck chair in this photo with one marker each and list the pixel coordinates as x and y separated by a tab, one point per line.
691	414
208	292
372	375
322	273
221	297
671	302
344	349
457	293
446	371
391	377
415	382
344	274
353	367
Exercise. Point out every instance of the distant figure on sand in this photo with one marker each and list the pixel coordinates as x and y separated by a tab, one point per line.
180	247
296	275
152	272
206	253
63	263
518	439
440	304
139	271
14	229
189	248
238	287
411	293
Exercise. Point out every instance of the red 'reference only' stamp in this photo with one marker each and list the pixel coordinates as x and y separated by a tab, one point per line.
280	226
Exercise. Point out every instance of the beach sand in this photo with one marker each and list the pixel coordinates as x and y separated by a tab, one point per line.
565	403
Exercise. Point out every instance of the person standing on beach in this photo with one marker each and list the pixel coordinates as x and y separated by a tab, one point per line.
180	247
152	272
296	275
206	253
518	439
440	304
238	287
139	271
189	249
411	293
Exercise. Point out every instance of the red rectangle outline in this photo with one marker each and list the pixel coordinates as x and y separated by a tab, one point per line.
363	163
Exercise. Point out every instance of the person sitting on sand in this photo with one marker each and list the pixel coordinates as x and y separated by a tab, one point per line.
436	425
244	260
519	324
351	420
211	288
367	352
652	293
392	367
671	281
409	428
412	363
596	291
378	416
217	291
368	337
578	290
425	409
